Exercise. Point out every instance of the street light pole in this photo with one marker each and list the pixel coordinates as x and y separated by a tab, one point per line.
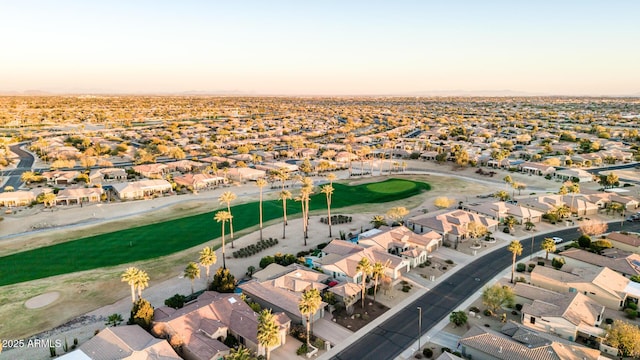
419	326
531	257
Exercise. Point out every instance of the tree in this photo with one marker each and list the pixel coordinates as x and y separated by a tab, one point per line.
222	217
223	281
507	180
141	314
574	189
562	211
593	227
226	198
304	198
548	245
114	320
510	222
241	353
476	229
261	183
502	195
443	202
207	258
459	318
365	268
558	262
137	279
584	241
377	271
625	337
308	305
28	176
515	247
397	214
49	199
268	331
328	191
192	272
284	196
377	221
495	296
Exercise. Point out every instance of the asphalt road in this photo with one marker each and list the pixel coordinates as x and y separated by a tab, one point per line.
392	337
25	164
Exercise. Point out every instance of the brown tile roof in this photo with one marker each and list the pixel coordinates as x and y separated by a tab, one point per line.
632	240
621	263
127	342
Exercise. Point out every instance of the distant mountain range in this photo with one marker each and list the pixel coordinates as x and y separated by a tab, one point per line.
426	93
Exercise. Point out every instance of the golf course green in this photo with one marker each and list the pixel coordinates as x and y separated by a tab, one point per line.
168	237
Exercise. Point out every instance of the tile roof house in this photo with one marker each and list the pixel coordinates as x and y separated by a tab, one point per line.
98	176
515	342
625	263
199	328
536	168
199	181
16	198
126	342
283	292
452	225
403	242
80	196
605	286
627	242
60	177
141	189
501	210
151	171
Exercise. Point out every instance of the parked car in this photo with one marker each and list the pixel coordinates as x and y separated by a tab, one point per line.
557	240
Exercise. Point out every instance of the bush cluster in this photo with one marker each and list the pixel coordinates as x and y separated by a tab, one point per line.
280	259
336	219
255	248
521	267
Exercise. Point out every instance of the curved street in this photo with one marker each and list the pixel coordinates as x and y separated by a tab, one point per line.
25	164
392	337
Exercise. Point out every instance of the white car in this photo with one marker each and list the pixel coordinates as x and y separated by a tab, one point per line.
557	240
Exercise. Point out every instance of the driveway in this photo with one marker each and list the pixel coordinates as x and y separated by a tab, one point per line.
330	331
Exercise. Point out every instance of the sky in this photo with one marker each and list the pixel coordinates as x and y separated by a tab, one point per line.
326	47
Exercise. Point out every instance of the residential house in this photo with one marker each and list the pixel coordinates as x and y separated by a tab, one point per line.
346	293
623	262
200	327
569	174
403	242
605	286
78	196
185	166
60	177
536	168
126	342
151	171
141	189
603	199
98	176
17	198
580	204
500	210
453	225
517	342
543	203
199	181
627	242
245	174
282	293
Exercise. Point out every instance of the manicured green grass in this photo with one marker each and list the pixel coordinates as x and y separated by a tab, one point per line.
165	238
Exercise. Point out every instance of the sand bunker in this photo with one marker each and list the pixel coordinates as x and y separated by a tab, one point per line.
42	300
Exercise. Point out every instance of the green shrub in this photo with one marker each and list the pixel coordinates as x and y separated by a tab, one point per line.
608	321
530	267
518	307
631	314
557	262
302	349
487	312
449	261
541	263
520	267
176	301
632	306
428	353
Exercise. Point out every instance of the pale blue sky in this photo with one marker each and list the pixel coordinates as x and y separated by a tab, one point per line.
321	47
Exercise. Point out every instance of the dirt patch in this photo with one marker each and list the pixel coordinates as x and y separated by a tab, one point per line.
360	317
434	266
42	300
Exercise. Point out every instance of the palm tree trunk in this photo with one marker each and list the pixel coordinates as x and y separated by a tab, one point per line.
284	224
308	329
133	294
260	214
230	223
513	266
224	263
375	288
329	213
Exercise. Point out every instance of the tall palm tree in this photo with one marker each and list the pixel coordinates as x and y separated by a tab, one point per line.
207	258
222	217
142	282
562	211
308	305
365	268
261	183
510	222
377	271
574	189
226	198
192	272
328	191
515	247
304	198
268	331
130	277
548	245
284	196
331	177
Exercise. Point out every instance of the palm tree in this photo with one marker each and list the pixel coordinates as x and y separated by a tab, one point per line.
510	222
261	183
548	245
226	198
378	220
222	217
507	180
331	177
129	276
207	258
308	305
192	272
242	353
284	196
141	282
377	271
304	198
515	247
562	211
268	331
365	268
574	189
328	191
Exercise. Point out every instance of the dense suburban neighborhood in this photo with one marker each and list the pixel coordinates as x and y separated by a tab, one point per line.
543	165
